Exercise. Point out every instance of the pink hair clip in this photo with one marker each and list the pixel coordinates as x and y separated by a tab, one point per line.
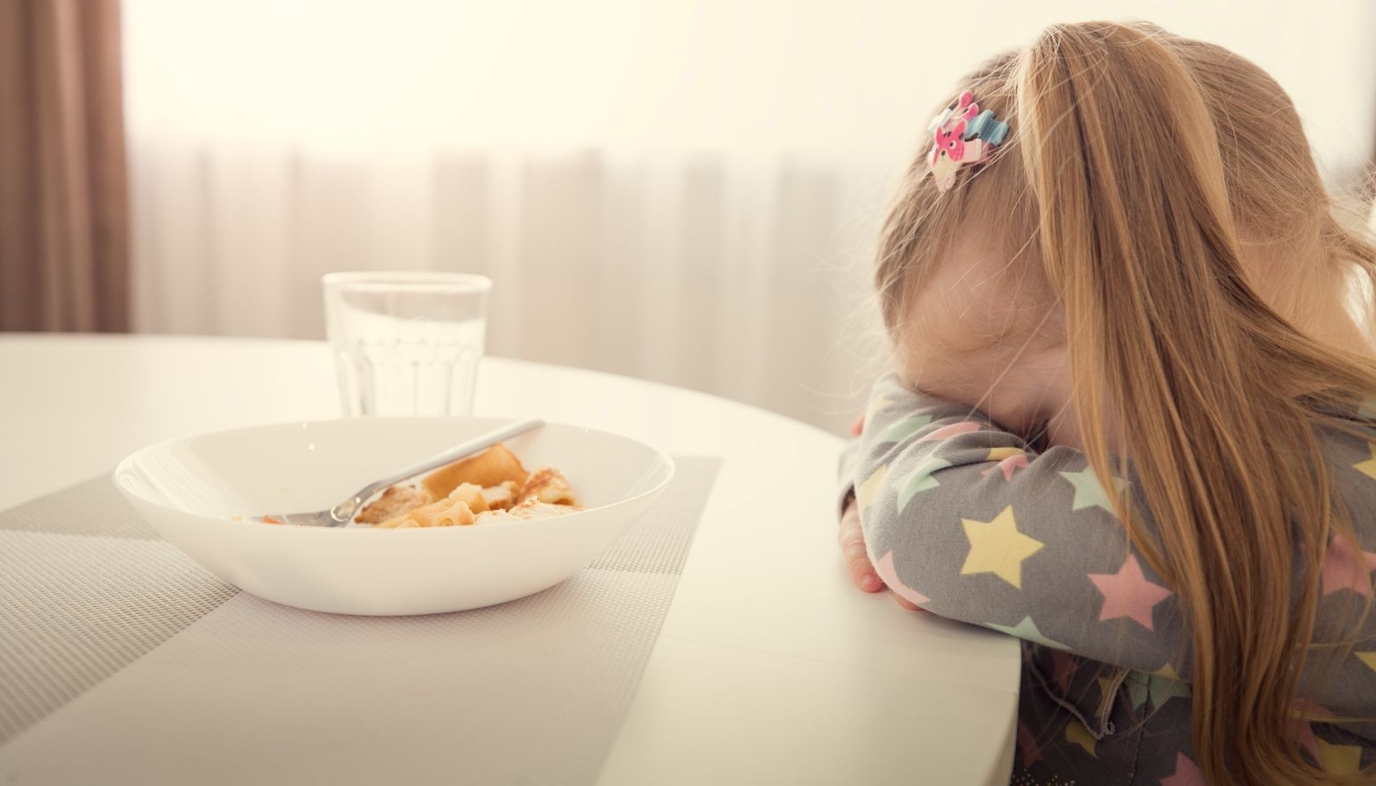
962	135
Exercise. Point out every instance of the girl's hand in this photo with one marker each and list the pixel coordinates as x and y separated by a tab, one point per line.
852	540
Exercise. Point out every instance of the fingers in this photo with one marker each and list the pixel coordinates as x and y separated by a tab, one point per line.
905	603
857	560
858	426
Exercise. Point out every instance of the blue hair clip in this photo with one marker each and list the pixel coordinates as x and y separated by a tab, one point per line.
985	127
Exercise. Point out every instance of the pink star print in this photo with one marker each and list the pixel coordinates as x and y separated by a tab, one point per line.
1063	667
1014	462
1186	773
1127	593
884	567
953	430
1340	569
1302	730
1027	745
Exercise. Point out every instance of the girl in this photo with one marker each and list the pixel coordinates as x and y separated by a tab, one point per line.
1127	423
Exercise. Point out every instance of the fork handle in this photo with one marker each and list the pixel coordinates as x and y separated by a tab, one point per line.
475	445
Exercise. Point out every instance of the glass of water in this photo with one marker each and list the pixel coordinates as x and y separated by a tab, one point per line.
406	343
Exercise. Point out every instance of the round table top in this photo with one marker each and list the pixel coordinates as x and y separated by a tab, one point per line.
770	667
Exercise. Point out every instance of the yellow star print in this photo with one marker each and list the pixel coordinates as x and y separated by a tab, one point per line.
876	406
1076	732
867	491
1107	690
997	547
1339	759
1167	671
1369	658
1368	467
999	454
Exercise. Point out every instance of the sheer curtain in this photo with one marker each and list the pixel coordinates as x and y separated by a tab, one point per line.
687	193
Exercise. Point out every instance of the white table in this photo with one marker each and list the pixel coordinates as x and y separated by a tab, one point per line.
770	668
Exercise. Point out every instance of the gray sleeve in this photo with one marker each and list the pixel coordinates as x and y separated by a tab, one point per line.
968	521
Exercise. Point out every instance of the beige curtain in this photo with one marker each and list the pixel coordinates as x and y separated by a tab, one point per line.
64	227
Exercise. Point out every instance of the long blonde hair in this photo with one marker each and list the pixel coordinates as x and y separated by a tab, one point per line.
1142	171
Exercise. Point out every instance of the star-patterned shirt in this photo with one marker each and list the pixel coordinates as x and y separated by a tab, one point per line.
970	522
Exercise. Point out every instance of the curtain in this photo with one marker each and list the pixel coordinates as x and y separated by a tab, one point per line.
64	230
743	276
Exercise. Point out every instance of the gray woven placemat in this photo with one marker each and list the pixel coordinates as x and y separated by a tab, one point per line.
92	507
76	609
87	590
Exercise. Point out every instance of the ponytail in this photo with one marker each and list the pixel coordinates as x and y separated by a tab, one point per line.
1168	342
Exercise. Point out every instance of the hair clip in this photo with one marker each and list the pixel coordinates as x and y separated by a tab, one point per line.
962	135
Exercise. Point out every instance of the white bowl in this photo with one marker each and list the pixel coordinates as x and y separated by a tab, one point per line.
202	492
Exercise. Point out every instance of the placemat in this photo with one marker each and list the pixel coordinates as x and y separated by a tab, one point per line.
104	623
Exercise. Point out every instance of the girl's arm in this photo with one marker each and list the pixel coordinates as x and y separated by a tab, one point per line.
965	520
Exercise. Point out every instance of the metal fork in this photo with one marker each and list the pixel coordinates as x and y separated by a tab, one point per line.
343	513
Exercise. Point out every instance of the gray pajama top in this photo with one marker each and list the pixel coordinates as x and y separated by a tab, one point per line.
968	521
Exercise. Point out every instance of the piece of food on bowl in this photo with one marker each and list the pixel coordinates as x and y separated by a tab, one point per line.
549	486
501	497
395	501
489	487
493	467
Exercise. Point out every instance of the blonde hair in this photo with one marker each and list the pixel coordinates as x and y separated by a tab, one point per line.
1156	183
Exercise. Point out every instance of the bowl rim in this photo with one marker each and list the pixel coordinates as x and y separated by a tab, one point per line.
123	468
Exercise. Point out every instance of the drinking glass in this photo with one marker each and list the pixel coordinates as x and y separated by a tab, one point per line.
406	343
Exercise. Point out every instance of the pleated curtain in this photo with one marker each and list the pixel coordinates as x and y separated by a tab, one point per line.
64	227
